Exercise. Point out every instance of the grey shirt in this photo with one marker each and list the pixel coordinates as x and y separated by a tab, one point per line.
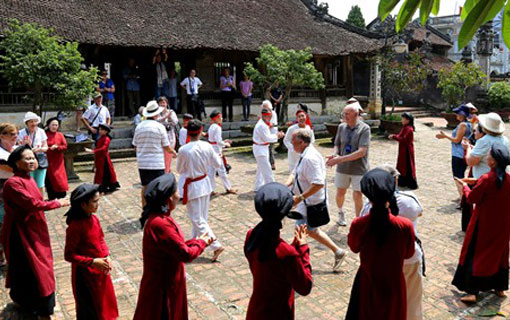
356	137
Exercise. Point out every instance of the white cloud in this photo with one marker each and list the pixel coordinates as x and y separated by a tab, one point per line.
341	8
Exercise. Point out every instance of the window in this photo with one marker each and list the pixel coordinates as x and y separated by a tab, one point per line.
334	74
218	71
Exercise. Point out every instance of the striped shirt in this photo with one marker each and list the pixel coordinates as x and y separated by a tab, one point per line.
149	140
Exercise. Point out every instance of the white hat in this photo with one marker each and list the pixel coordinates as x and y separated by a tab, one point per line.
31	116
492	122
152	109
355	105
352	100
471	106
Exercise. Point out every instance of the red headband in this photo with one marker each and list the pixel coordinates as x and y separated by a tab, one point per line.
267	113
300	111
195	132
216	117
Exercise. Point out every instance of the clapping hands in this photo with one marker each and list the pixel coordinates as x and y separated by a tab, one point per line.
300	235
208	240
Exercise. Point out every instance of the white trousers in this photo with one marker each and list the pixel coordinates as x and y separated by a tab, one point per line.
180	184
414	288
264	172
222	173
198	211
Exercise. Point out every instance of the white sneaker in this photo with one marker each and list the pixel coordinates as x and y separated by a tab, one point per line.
339	258
341	219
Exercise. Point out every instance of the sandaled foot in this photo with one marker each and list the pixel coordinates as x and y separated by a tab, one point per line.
217	254
470	298
231	191
214	194
500	294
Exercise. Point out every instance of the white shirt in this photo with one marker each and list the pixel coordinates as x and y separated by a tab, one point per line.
288	137
195	83
408	207
194	160
183	136
214	134
262	135
91	112
274	122
37	139
310	170
149	139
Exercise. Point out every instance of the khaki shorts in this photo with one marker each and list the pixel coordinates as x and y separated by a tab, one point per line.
343	181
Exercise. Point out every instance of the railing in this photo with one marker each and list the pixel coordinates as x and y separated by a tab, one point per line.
23	98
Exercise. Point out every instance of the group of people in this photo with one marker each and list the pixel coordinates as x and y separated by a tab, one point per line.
385	227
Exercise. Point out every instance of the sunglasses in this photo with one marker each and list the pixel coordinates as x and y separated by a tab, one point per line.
12	134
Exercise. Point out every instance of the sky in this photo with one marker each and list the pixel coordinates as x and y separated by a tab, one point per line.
340	8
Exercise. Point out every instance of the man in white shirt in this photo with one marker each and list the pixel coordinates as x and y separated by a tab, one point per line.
262	137
194	160
266	104
151	141
308	182
192	84
217	142
95	115
292	155
408	207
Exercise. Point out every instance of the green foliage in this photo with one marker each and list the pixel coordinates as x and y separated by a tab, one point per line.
455	82
35	59
289	68
474	14
399	78
355	17
499	96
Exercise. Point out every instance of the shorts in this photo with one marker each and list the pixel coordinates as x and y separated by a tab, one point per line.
459	167
147	175
39	176
343	181
304	221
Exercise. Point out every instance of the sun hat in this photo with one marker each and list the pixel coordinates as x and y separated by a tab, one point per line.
463	110
492	122
152	109
98	95
31	116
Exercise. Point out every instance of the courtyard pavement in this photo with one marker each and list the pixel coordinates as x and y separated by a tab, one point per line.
222	290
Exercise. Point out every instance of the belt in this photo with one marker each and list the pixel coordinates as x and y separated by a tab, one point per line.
187	182
213	142
261	144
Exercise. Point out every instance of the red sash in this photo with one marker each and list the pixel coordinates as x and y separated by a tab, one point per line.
261	144
187	182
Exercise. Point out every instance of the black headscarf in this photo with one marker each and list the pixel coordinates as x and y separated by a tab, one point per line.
157	194
47	127
16	155
500	153
379	187
83	193
409	117
273	202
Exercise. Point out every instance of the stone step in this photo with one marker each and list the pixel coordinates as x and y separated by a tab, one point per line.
122	143
119	133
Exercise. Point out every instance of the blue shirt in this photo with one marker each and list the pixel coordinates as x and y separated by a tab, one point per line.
482	148
131	76
457	150
108	84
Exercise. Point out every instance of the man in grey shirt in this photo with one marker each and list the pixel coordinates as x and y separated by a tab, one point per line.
351	158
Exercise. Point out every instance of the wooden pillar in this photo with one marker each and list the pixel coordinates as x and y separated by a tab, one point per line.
349	79
374	98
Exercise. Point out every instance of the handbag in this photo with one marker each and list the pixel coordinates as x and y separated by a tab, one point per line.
42	158
95	117
316	215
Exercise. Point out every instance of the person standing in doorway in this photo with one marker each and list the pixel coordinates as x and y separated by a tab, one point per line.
192	84
228	87
246	87
131	75
107	89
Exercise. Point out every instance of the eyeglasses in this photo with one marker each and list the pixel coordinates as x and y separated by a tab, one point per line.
12	134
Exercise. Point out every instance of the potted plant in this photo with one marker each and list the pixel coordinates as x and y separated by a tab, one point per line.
401	74
454	84
499	99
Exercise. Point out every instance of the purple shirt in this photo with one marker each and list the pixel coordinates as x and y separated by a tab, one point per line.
246	87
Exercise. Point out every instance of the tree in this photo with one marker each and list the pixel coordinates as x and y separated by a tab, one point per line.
474	14
36	59
355	17
289	68
401	77
454	83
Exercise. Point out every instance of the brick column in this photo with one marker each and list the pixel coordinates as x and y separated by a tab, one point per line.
374	98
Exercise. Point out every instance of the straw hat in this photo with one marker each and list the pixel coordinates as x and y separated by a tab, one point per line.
152	109
492	122
31	116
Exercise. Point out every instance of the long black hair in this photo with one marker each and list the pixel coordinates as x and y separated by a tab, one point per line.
409	117
500	153
157	194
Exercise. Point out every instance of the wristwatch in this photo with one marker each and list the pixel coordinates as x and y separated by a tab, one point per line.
301	197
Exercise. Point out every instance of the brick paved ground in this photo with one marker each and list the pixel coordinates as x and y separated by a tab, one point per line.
222	290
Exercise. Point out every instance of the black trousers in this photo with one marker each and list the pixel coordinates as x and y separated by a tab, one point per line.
227	101
193	107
